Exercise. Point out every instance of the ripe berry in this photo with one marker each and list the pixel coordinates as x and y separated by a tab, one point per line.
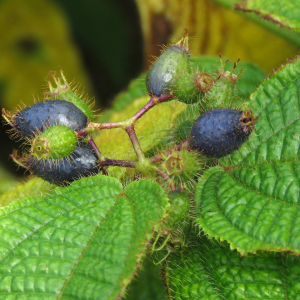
36	118
82	162
163	72
218	132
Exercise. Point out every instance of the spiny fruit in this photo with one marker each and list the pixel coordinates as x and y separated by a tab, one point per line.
55	142
181	166
63	90
82	162
174	60
34	119
192	87
218	132
222	94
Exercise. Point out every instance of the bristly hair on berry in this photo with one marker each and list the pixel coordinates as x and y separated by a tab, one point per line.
61	171
182	166
248	120
67	91
183	42
56	142
222	94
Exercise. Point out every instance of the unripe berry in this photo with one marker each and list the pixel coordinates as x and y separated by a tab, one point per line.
180	206
173	61
192	87
55	142
63	90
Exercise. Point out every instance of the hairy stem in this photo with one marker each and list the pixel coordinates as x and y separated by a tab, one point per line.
165	177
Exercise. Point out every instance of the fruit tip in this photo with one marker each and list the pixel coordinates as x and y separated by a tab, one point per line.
19	160
7	117
184	41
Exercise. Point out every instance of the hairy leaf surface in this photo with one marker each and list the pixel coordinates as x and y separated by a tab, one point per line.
210	270
252	208
80	242
285	13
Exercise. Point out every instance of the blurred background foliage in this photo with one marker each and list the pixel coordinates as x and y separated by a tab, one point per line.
103	44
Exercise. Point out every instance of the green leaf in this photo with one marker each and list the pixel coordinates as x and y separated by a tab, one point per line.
80	242
285	13
252	208
277	134
210	270
148	283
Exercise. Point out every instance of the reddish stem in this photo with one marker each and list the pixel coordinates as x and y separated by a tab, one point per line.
154	100
157	158
94	146
166	177
135	142
106	162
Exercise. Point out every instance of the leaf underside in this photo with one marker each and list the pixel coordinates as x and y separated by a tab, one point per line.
80	242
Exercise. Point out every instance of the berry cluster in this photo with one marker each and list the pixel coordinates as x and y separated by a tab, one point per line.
58	131
56	152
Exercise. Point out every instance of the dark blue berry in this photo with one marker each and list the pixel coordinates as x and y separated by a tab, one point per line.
218	132
38	117
82	162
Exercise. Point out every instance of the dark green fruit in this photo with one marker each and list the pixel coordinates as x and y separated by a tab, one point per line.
172	62
55	142
218	132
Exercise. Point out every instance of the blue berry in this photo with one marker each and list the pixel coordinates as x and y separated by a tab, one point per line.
218	132
36	118
82	162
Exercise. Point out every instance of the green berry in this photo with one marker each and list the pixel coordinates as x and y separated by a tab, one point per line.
183	131
222	93
180	205
181	166
192	87
56	142
64	91
166	68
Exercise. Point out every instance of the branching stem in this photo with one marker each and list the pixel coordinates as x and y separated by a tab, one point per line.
106	162
128	124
